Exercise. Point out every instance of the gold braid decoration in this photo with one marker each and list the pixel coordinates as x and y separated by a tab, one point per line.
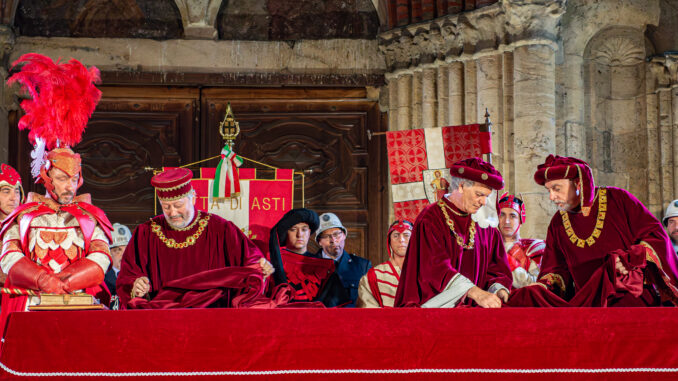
450	223
602	209
190	241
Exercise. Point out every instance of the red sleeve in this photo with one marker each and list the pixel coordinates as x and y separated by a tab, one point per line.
498	270
554	272
133	264
241	250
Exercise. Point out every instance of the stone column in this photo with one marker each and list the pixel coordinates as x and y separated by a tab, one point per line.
392	83
470	92
455	93
666	145
443	97
404	102
490	97
507	78
652	116
428	98
535	132
416	99
674	130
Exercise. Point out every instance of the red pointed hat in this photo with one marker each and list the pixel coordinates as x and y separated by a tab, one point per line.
476	169
172	184
564	167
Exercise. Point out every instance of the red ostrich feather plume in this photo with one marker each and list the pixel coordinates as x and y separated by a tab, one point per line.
63	98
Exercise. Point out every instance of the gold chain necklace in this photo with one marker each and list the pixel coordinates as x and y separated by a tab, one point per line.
602	209
191	240
450	223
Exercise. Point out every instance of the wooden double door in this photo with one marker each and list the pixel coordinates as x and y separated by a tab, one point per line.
322	132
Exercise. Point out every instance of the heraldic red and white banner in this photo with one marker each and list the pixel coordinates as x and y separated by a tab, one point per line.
260	205
418	161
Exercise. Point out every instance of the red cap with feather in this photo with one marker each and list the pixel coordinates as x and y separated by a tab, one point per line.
63	97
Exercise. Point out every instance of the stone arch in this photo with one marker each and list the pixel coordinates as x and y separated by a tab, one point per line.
615	108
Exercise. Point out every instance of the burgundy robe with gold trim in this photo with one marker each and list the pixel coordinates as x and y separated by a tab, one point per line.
434	257
585	276
220	245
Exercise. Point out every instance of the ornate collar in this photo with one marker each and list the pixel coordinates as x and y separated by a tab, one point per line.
190	240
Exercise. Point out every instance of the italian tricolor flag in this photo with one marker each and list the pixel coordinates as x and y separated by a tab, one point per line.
226	183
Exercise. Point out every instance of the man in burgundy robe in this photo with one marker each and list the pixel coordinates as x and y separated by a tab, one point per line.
603	247
185	249
449	256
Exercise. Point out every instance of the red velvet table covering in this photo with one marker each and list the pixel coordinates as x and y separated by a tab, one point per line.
527	343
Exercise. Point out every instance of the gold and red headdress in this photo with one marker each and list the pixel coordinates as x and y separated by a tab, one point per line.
510	201
10	177
399	226
63	97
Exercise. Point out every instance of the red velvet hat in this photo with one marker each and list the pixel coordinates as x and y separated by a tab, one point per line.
476	169
563	167
172	184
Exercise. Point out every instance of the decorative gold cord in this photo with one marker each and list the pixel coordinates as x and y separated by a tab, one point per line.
454	211
450	223
600	221
190	241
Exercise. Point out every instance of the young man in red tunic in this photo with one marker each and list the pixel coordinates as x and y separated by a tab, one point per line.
180	243
450	259
524	254
378	287
603	247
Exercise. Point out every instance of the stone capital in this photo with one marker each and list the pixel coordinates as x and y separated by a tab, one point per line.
498	27
664	69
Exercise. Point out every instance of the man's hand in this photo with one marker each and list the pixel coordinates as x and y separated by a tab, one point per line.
619	266
483	298
141	287
51	284
266	267
503	295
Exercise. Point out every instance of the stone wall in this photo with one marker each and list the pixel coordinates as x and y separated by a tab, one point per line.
575	78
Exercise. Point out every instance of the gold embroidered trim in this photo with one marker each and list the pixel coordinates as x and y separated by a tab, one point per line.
174	198
172	188
600	221
450	223
190	241
554	280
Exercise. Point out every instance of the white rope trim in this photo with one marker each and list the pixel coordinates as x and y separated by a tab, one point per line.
337	371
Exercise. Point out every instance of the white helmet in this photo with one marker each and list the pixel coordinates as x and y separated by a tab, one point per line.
121	235
671	211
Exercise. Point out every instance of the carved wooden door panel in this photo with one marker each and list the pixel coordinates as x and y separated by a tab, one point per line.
132	128
322	132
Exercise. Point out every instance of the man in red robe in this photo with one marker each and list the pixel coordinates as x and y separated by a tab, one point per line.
524	254
603	247
450	259
178	252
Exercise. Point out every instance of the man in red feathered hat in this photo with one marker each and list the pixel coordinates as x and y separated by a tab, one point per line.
450	259
603	247
182	252
524	254
57	242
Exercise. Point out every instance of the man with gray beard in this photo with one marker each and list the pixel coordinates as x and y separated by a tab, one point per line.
181	243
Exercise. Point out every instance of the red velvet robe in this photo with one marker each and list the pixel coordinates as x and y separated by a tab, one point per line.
586	276
434	257
220	245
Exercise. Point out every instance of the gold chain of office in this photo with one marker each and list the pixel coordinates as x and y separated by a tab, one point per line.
600	221
450	223
190	240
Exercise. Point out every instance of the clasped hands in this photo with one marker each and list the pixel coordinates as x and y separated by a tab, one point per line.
142	285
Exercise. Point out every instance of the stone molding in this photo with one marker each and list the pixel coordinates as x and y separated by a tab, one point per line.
490	30
199	18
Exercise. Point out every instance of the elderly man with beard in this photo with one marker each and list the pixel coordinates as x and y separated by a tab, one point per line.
603	247
451	260
182	242
378	287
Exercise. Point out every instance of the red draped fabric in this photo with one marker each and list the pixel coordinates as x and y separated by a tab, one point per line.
467	343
